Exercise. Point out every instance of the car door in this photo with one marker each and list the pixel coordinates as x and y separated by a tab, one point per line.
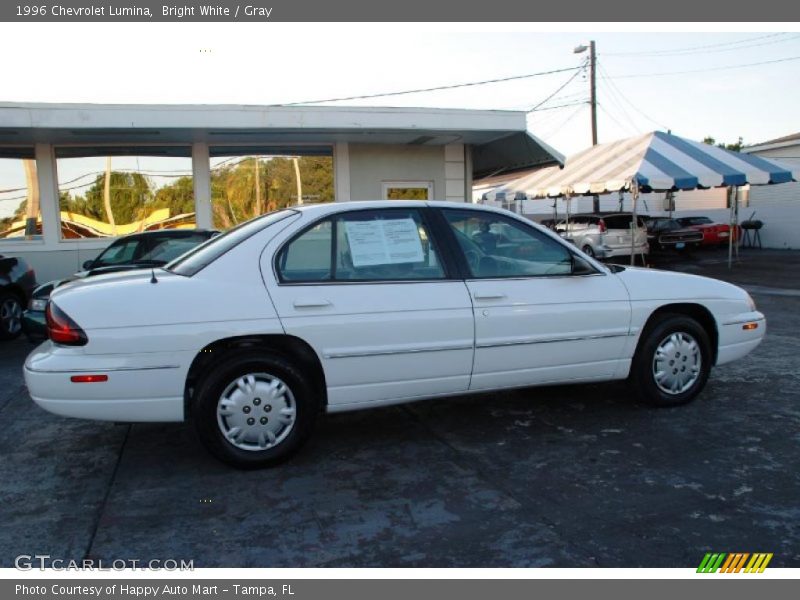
542	314
370	292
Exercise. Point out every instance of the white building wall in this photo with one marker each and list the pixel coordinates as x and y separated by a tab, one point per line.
373	164
778	205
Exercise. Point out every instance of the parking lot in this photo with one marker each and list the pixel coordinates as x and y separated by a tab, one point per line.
558	476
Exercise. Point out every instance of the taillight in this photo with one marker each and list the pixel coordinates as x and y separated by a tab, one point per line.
62	329
602	225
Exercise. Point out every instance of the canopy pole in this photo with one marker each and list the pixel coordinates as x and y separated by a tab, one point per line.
732	201
634	220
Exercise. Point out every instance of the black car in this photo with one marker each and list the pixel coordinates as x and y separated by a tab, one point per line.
137	251
667	234
17	282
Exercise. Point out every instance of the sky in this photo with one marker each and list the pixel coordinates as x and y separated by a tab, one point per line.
274	63
243	63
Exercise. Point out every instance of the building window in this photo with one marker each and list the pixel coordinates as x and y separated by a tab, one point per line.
114	191
20	214
407	190
249	181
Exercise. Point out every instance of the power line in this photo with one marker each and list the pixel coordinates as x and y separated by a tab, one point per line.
743	47
690	49
608	80
561	87
610	116
563	124
436	88
722	68
584	101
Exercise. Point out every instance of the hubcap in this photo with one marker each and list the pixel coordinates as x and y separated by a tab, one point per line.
11	315
256	412
677	362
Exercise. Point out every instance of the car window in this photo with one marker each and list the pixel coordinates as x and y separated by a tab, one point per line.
121	252
308	257
527	253
165	249
203	255
370	245
621	221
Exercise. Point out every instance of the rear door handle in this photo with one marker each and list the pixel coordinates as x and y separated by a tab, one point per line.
311	303
489	296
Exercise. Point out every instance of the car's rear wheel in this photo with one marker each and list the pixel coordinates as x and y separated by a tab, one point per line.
254	410
672	362
10	316
588	250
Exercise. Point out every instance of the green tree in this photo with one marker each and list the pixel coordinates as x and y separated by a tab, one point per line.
735	147
178	197
130	195
236	196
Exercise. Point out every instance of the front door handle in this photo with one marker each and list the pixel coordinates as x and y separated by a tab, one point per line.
311	303
489	296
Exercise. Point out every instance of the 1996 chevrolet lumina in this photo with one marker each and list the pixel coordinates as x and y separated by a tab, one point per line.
354	305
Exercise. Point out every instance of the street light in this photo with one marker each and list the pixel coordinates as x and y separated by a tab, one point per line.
592	99
580	49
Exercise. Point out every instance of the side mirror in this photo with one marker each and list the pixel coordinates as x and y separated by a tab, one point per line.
87	264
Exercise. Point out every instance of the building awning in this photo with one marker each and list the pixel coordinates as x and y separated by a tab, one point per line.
499	139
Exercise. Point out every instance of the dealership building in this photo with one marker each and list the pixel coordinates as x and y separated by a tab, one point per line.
74	176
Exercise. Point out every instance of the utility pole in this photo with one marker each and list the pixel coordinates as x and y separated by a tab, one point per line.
592	100
593	89
296	161
258	190
107	197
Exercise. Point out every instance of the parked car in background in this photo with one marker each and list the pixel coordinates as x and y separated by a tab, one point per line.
353	305
664	233
17	281
714	234
136	251
603	235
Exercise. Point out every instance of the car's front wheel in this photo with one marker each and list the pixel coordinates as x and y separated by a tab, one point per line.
254	410
672	362
10	316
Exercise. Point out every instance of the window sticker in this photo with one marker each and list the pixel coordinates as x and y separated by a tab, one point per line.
382	242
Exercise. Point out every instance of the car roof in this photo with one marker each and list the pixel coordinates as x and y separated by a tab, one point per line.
336	207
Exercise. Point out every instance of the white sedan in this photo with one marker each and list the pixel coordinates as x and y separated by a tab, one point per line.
354	305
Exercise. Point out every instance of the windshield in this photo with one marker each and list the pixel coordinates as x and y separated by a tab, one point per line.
204	254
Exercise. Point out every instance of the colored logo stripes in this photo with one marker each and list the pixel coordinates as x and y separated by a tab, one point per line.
734	563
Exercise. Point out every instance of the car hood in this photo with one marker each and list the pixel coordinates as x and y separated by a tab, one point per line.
654	284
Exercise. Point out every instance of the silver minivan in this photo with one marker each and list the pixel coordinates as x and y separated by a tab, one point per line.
603	235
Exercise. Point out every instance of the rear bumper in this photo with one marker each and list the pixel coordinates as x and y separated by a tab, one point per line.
624	250
140	388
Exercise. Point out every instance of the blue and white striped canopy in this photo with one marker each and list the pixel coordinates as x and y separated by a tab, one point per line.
656	161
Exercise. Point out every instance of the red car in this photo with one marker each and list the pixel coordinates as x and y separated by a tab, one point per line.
714	234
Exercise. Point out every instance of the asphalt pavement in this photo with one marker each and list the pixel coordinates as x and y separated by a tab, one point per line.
558	476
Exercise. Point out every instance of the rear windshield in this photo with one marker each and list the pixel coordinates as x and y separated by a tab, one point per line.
621	221
204	254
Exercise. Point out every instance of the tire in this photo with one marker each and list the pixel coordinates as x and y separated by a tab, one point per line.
10	315
588	250
248	381
683	345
